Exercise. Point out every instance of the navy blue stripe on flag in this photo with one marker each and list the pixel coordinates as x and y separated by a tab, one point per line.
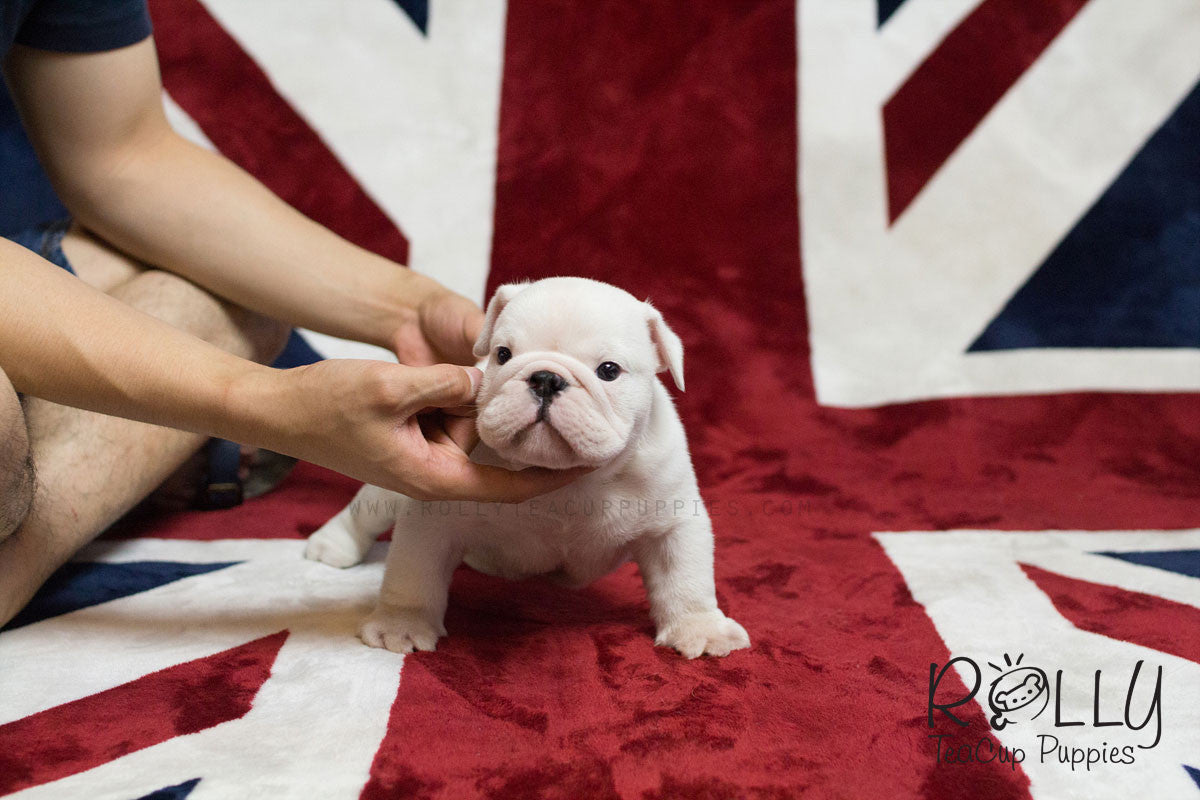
418	12
1183	562
177	792
885	9
82	584
1128	273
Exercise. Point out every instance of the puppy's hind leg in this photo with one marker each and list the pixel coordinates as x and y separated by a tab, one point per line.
344	540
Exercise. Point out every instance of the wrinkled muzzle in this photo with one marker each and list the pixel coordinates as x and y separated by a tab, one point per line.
549	410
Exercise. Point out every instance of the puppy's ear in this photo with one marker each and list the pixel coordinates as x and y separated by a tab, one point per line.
483	345
666	345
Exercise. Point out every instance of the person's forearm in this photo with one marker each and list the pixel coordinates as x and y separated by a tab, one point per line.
178	206
126	175
63	341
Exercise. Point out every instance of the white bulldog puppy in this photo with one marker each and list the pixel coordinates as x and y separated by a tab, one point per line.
570	379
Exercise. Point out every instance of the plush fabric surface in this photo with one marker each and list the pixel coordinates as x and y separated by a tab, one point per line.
1008	509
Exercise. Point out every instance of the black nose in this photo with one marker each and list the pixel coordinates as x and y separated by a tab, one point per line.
546	384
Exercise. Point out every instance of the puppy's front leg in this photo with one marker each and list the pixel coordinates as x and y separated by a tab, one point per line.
416	585
677	568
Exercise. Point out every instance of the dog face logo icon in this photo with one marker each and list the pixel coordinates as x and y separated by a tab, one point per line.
1020	694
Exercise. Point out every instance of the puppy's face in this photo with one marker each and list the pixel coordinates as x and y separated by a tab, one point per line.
570	371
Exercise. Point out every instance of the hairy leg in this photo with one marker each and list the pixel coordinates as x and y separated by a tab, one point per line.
16	466
93	468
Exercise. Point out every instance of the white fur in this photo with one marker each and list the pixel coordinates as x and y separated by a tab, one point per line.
640	503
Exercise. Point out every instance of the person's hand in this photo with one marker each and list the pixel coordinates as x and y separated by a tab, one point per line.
442	329
394	426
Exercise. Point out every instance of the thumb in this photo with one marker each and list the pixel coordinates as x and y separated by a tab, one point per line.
442	386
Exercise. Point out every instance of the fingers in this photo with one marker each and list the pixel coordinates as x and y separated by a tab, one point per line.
469	317
497	485
441	386
450	323
462	431
472	325
446	386
447	429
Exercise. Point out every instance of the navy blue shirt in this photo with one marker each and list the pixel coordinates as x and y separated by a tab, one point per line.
72	26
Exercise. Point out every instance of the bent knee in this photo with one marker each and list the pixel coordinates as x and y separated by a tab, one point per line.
175	300
17	480
17	497
96	262
265	337
185	305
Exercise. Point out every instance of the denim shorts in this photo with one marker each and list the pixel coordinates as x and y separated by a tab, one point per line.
46	241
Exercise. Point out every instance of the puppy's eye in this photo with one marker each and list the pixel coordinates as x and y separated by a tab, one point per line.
503	354
608	371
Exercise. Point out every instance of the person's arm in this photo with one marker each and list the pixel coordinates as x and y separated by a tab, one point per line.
97	122
63	341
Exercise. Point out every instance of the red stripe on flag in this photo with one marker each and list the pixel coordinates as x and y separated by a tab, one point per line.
957	84
94	730
232	100
1144	619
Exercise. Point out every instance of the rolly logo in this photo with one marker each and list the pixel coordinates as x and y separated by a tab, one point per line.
1020	694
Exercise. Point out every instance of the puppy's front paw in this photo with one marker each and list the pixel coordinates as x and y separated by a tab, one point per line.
333	545
706	633
401	630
